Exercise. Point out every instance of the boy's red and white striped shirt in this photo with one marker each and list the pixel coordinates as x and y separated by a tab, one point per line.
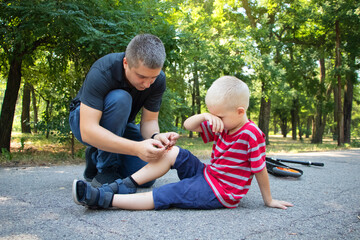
234	160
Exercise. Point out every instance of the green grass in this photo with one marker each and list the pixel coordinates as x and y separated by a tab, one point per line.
196	146
31	149
278	144
36	149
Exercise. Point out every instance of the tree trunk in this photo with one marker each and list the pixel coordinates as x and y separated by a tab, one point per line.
308	126
25	112
335	129
48	112
9	103
264	116
246	6
340	116
348	98
176	121
294	117
35	109
294	108
283	125
275	124
300	127
195	95
319	124
197	91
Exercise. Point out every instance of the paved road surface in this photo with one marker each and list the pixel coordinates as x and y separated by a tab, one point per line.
36	203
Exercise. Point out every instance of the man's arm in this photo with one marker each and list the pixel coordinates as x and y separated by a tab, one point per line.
150	125
101	138
263	180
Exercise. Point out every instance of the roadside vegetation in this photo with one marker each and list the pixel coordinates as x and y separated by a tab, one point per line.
37	150
299	58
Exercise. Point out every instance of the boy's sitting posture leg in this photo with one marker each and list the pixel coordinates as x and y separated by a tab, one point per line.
84	194
191	192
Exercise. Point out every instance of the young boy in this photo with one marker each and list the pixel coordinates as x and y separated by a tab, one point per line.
238	154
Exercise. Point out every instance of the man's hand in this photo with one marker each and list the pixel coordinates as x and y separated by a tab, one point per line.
150	150
167	139
279	204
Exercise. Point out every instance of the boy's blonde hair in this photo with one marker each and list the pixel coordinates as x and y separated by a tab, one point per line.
228	91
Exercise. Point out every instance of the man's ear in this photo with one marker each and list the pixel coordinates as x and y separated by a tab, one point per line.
241	111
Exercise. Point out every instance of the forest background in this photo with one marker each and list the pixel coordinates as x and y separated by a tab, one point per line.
300	59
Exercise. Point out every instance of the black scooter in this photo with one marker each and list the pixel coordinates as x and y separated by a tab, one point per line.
277	168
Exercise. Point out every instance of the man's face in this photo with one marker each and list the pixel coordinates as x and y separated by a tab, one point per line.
140	77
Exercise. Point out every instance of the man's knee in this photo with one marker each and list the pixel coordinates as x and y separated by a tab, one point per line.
116	112
118	100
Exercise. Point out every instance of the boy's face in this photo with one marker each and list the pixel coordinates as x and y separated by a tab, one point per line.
231	118
140	77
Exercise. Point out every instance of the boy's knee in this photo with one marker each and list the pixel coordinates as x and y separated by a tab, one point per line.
172	154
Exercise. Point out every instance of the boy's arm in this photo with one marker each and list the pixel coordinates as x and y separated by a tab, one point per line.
263	180
193	122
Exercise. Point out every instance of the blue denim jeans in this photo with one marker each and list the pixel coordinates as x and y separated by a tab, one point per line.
117	108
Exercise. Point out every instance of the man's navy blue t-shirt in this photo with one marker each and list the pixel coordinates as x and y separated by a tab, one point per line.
107	74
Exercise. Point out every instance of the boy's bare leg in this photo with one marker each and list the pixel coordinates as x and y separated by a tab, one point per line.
137	201
104	196
156	169
153	170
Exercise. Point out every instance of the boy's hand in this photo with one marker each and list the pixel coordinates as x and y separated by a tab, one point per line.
262	178
215	121
279	204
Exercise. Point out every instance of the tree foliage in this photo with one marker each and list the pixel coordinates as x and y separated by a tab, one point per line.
284	51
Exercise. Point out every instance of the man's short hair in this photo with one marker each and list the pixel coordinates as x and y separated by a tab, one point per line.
146	49
228	91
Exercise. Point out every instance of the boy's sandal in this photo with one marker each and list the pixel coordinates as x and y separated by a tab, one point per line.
87	190
121	188
89	199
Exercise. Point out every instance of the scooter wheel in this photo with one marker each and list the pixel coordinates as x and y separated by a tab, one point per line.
288	172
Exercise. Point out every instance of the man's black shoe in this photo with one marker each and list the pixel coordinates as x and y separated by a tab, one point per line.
107	175
90	168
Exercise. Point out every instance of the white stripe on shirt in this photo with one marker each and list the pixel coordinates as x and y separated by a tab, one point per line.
218	195
228	174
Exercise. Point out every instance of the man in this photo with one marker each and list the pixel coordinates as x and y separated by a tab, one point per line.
102	114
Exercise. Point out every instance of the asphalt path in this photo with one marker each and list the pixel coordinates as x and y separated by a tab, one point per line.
36	203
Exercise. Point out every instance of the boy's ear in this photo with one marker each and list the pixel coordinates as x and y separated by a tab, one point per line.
241	110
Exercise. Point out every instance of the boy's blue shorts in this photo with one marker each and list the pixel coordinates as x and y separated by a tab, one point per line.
192	191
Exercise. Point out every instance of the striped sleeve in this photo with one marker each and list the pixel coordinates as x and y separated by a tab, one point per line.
207	135
257	150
